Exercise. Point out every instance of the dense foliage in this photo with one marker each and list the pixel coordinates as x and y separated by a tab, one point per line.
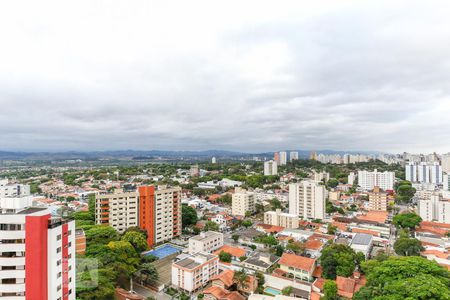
339	260
399	278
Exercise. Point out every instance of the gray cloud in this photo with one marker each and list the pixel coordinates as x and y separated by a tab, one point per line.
259	76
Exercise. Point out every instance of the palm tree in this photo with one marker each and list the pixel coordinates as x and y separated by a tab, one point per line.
240	277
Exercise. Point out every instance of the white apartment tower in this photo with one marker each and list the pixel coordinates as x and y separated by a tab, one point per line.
424	172
37	253
293	155
283	158
368	180
434	209
270	168
242	202
351	178
118	210
307	199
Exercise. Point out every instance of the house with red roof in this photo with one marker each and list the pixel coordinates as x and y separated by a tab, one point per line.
299	267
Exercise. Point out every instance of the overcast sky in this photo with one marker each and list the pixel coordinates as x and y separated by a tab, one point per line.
233	75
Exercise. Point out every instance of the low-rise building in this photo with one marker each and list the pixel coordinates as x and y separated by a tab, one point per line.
243	202
260	261
363	243
278	218
195	271
378	200
299	266
205	242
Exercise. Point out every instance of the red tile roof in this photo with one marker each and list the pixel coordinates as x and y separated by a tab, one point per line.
221	294
226	277
297	261
234	251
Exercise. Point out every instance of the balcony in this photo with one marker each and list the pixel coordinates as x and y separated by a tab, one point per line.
12	261
7	274
12	234
12	288
12	247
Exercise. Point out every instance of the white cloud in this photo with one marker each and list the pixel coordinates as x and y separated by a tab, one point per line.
238	75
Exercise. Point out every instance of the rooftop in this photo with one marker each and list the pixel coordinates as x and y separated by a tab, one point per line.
362	239
298	262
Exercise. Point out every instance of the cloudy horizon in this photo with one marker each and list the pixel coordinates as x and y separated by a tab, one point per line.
249	76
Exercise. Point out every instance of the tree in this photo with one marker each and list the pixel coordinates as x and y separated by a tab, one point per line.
100	234
235	237
412	278
296	247
407	220
240	277
211	226
332	183
149	271
136	239
286	291
267	240
225	257
330	290
331	229
188	215
406	246
247	223
405	192
279	250
338	260
275	204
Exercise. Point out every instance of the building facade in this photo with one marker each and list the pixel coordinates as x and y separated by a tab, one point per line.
424	172
307	199
368	180
283	158
277	218
270	168
207	242
160	213
195	271
243	202
293	155
118	210
37	253
378	200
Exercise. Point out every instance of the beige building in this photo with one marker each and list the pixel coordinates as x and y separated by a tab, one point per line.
277	218
242	202
307	199
378	200
118	210
205	242
194	271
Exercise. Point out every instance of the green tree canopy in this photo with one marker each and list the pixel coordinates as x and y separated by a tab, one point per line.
211	226
225	256
136	239
188	215
408	247
339	260
407	220
398	278
330	290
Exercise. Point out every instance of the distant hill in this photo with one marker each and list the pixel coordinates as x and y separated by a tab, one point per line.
151	154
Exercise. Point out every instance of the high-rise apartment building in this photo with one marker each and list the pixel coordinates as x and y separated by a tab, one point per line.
37	253
8	189
368	180
378	200
351	178
270	168
276	157
160	213
434	209
424	172
118	210
283	158
242	202
293	155
321	176
445	163
278	218
446	182
307	199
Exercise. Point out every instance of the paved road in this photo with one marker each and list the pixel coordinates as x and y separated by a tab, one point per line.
143	291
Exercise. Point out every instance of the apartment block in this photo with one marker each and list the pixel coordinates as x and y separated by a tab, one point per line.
378	200
368	180
293	155
160	213
283	158
193	272
242	202
118	210
37	253
8	189
270	168
424	172
436	208
307	199
207	242
278	218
